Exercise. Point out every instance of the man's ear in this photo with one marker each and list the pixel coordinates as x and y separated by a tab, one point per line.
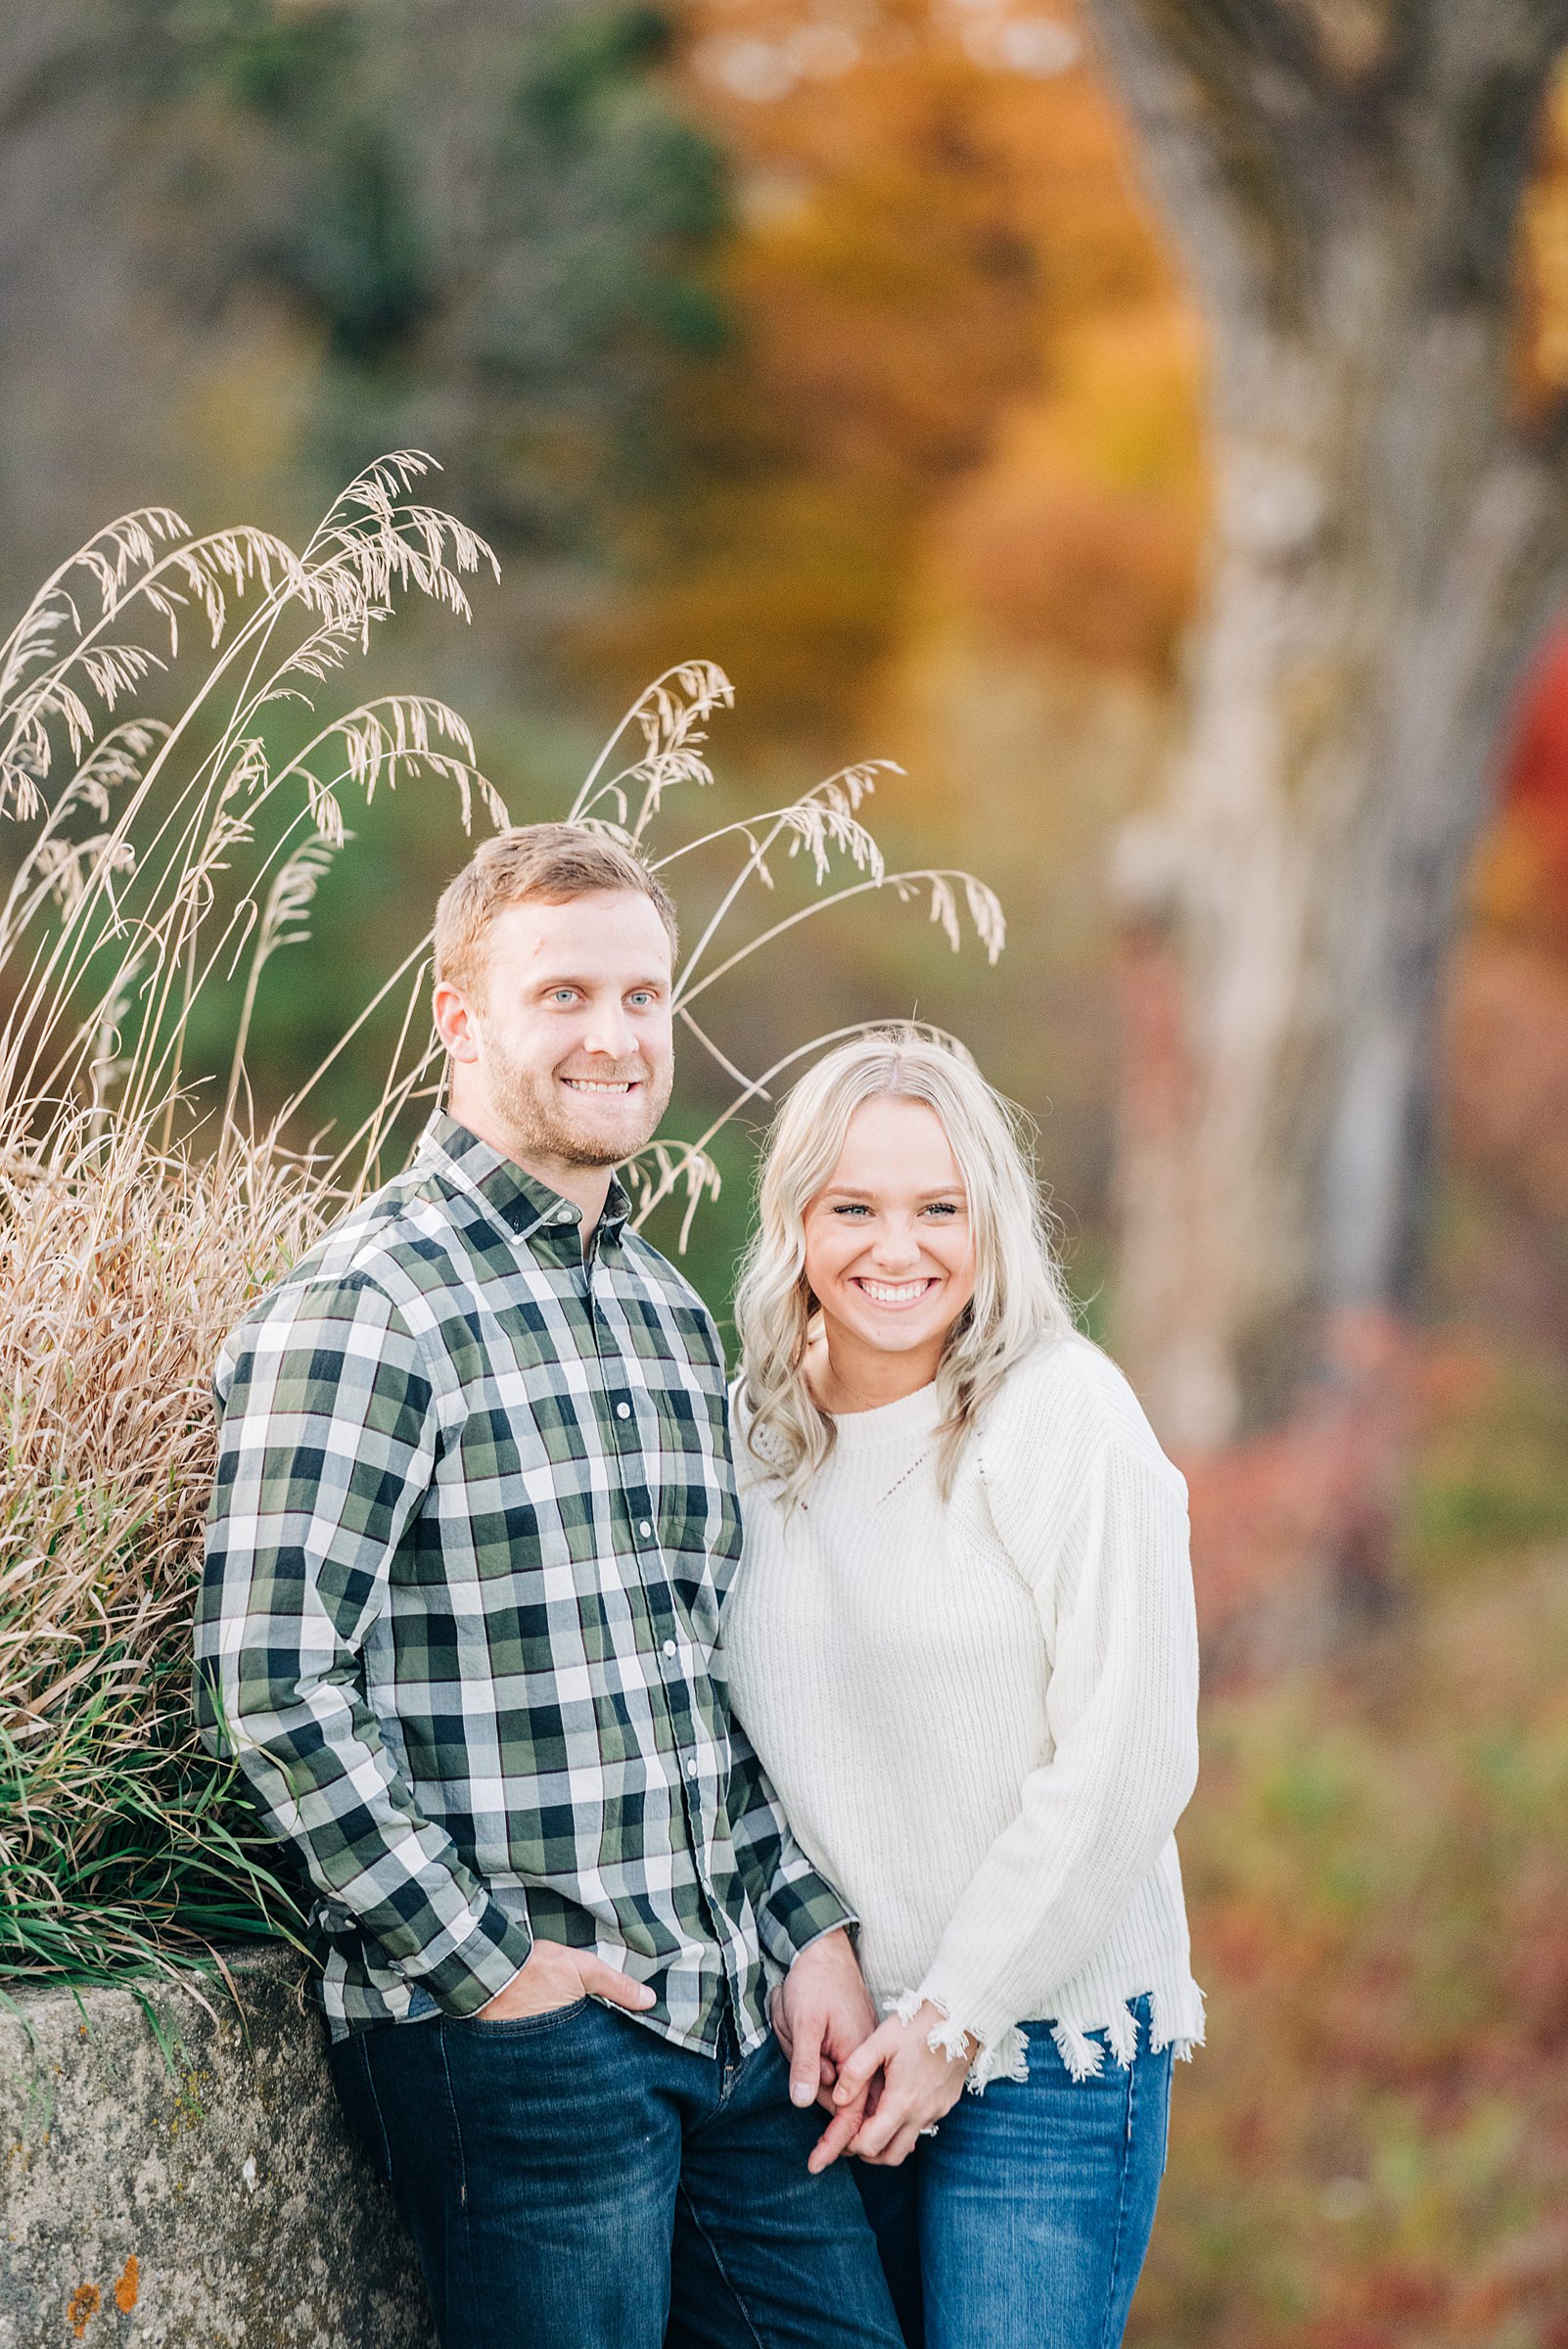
454	1021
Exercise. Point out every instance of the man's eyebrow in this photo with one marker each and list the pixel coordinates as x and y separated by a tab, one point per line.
544	981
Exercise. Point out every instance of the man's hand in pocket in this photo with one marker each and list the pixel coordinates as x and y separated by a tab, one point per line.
556	1977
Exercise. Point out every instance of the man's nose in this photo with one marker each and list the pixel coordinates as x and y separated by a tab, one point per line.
608	1029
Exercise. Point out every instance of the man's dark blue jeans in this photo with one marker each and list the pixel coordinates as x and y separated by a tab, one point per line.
572	2181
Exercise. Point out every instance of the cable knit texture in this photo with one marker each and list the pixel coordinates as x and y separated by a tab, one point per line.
980	1713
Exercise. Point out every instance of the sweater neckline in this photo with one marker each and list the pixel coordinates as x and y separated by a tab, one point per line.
911	1417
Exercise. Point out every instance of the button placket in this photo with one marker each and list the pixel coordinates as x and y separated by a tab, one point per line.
658	1597
659	1600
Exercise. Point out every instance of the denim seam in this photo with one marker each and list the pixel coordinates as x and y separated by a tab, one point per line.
1121	2205
713	2254
368	2071
457	2126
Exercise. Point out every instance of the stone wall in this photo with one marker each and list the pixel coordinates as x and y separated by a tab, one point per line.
202	2194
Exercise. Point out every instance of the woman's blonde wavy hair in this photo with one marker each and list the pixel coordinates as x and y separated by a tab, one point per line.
1018	1296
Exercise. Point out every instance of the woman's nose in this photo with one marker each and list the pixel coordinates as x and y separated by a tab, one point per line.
896	1244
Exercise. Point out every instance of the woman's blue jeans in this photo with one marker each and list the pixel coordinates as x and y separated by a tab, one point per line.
1023	2222
573	2181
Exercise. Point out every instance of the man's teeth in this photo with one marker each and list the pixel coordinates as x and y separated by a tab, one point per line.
597	1085
891	1292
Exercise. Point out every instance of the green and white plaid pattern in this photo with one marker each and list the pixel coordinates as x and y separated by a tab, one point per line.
473	1521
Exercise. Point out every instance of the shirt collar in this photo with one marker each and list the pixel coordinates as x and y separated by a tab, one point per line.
525	1205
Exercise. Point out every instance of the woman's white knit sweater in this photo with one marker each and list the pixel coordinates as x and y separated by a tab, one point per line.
980	1713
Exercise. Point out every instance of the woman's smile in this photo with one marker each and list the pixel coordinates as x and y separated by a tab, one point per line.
893	1293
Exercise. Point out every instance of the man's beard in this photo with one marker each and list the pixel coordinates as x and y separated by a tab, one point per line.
532	1111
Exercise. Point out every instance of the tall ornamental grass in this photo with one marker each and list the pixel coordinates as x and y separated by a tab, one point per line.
155	862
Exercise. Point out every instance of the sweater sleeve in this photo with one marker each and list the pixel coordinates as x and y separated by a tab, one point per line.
1106	1556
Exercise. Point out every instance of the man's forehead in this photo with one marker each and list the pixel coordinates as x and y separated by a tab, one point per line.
602	932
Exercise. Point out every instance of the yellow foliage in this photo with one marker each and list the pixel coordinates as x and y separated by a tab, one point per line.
961	353
1540	342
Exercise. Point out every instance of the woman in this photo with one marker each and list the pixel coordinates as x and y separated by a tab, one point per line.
962	1641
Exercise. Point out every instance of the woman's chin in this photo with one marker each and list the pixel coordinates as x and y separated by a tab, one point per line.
889	1334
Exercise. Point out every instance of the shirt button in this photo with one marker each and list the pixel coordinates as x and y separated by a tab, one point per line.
691	1765
644	1528
669	1648
623	1411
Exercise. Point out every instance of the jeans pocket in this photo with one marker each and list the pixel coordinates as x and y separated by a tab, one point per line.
522	2026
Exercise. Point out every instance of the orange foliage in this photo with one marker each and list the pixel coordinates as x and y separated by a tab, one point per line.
1084	530
1508	1069
1523	881
944	284
1507	1028
1541	337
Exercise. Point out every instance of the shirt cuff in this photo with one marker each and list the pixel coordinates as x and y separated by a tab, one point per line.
483	1962
800	1912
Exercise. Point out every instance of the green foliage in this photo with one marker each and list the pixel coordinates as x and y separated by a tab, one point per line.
1492	1478
516	251
124	1859
1371	2152
268	58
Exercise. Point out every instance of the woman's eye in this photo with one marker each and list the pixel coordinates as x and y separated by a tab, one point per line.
852	1207
942	1207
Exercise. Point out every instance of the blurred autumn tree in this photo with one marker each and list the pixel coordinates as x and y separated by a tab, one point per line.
833	342
945	498
927	242
1344	178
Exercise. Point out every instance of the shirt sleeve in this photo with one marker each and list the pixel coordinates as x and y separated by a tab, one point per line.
794	1905
326	1447
1115	1596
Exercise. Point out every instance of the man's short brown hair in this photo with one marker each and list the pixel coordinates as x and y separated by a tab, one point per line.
550	863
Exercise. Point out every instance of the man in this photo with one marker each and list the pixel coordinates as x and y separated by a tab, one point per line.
473	1523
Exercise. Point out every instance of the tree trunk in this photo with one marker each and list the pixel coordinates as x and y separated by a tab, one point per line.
1386	547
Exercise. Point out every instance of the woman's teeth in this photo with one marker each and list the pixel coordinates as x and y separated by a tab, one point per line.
893	1292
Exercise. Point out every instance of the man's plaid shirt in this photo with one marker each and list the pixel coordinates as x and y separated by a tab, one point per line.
474	1522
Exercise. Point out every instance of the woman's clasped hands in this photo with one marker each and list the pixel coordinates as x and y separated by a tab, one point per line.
894	2086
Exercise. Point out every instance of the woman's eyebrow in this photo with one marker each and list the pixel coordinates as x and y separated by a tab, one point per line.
846	1190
